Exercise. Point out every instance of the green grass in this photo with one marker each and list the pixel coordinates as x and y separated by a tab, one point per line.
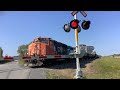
60	74
105	68
51	75
21	62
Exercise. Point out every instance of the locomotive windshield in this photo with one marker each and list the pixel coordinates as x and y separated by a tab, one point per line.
43	40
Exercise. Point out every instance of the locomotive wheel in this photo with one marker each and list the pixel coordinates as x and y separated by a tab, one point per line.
39	63
26	63
35	63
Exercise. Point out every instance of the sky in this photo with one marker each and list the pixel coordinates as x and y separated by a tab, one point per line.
21	27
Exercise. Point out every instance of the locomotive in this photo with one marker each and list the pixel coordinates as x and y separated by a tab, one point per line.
41	50
87	51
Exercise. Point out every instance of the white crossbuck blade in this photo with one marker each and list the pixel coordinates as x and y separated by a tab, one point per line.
82	12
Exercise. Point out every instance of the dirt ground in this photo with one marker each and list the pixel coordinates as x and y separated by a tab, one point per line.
68	69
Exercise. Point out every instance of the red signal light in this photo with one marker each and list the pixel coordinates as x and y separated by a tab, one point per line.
74	24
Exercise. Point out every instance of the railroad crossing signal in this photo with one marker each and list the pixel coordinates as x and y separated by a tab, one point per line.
85	24
74	24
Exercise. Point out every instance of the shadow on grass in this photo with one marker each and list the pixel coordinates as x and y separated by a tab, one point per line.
66	64
83	62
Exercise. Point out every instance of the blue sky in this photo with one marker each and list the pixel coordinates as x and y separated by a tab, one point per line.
21	27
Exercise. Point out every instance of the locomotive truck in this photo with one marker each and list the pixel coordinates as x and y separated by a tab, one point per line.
42	50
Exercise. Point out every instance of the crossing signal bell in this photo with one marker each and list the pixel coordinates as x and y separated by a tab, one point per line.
85	25
74	24
79	29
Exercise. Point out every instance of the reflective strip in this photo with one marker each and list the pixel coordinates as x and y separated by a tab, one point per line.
57	56
8	58
26	57
49	56
83	13
43	57
74	12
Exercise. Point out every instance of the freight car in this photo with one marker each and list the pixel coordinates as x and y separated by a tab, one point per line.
7	58
41	50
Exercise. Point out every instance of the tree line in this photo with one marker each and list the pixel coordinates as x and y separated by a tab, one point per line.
22	50
1	52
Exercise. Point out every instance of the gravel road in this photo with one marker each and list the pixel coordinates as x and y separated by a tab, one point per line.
13	70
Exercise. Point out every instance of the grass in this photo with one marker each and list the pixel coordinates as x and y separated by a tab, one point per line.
4	61
21	62
52	75
60	74
103	68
